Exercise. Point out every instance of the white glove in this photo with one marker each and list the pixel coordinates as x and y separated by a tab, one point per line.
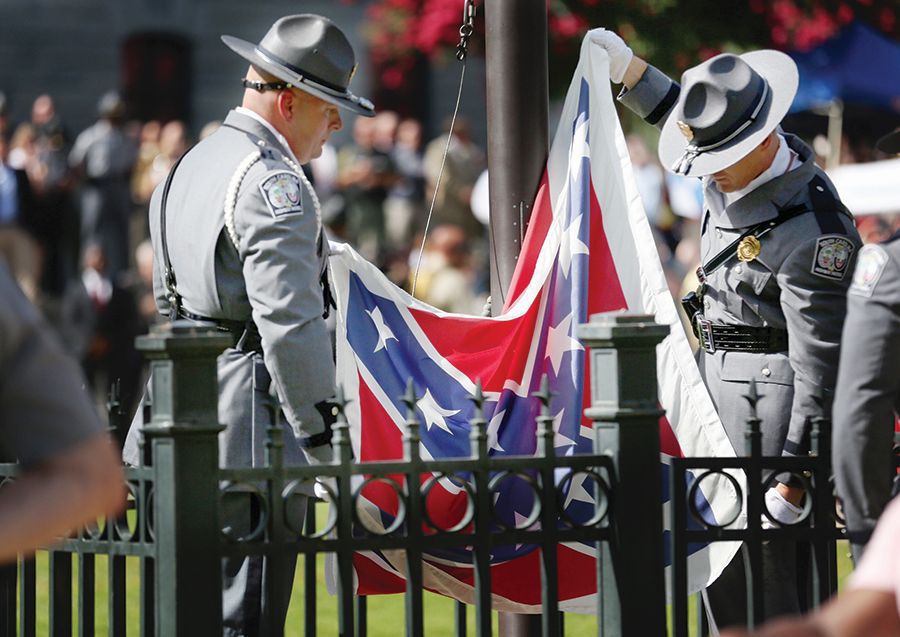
620	54
487	310
322	492
779	509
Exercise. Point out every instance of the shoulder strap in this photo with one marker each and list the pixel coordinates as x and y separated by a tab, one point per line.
758	231
168	273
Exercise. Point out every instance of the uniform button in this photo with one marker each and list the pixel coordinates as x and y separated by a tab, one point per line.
766	372
738	269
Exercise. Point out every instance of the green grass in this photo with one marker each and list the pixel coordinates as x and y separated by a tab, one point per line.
386	613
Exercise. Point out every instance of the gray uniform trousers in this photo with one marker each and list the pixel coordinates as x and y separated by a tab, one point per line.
868	391
798	284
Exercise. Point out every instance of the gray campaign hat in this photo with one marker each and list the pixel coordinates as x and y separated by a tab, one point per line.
727	106
309	52
890	143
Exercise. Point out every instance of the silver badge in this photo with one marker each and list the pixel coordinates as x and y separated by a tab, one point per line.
832	257
282	193
869	267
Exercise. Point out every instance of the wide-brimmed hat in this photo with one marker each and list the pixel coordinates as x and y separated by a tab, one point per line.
890	143
309	52
727	106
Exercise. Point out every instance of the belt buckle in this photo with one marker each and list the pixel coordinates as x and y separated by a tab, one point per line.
705	333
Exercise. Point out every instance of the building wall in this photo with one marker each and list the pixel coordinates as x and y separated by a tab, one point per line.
72	49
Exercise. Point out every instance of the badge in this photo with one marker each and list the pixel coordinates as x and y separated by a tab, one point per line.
832	257
869	267
685	130
748	248
282	193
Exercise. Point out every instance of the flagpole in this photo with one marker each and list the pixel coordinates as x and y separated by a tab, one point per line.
517	126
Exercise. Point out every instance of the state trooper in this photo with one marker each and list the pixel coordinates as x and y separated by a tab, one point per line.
867	398
776	249
238	241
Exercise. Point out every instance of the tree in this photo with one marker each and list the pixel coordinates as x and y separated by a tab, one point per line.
673	34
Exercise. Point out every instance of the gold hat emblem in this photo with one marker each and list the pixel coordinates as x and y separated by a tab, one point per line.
685	130
748	248
352	73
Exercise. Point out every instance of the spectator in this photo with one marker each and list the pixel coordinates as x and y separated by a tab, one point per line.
4	115
105	156
404	204
446	281
17	221
464	163
71	472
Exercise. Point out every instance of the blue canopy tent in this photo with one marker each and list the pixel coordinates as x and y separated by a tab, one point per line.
858	66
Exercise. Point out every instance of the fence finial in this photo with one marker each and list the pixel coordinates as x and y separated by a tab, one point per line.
545	433
411	438
478	424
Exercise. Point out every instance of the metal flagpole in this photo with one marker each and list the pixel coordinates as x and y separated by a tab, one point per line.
517	121
517	113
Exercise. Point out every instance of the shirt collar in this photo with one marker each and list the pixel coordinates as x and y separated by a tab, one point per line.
278	136
785	160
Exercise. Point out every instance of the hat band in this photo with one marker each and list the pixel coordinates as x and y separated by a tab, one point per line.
692	150
304	76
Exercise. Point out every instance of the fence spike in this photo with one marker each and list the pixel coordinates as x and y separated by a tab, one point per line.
411	438
545	433
478	424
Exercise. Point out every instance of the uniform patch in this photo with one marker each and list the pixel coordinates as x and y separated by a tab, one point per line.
282	193
832	257
869	267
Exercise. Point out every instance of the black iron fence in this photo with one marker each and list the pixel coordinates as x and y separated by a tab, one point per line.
173	526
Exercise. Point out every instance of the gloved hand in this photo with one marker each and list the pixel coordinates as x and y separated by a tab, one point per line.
322	486
620	54
779	509
487	310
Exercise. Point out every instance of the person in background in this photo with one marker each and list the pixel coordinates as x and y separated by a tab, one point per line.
404	205
18	247
867	399
71	472
104	156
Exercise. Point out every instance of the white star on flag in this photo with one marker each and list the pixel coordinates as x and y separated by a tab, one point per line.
559	341
493	431
577	492
560	440
571	245
384	332
434	414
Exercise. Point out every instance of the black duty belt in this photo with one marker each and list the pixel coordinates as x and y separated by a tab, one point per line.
246	336
739	338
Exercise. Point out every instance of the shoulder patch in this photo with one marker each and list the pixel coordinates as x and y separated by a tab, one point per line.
832	257
282	193
869	268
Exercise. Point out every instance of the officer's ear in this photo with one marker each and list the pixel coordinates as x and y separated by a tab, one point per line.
286	104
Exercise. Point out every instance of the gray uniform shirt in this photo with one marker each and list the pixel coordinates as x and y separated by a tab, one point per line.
868	388
272	276
44	409
797	283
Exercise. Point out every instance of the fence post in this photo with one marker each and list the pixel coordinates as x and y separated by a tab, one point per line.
182	433
625	411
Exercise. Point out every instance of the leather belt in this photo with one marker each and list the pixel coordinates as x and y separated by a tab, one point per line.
246	336
738	338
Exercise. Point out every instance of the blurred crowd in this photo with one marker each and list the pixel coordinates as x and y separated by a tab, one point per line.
74	228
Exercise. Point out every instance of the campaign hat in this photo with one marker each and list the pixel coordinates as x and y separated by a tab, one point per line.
727	106
308	52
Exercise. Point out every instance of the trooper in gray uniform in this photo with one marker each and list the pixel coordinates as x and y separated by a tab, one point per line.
867	398
776	247
238	241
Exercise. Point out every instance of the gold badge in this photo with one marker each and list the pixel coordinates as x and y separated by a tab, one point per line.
748	248
685	130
